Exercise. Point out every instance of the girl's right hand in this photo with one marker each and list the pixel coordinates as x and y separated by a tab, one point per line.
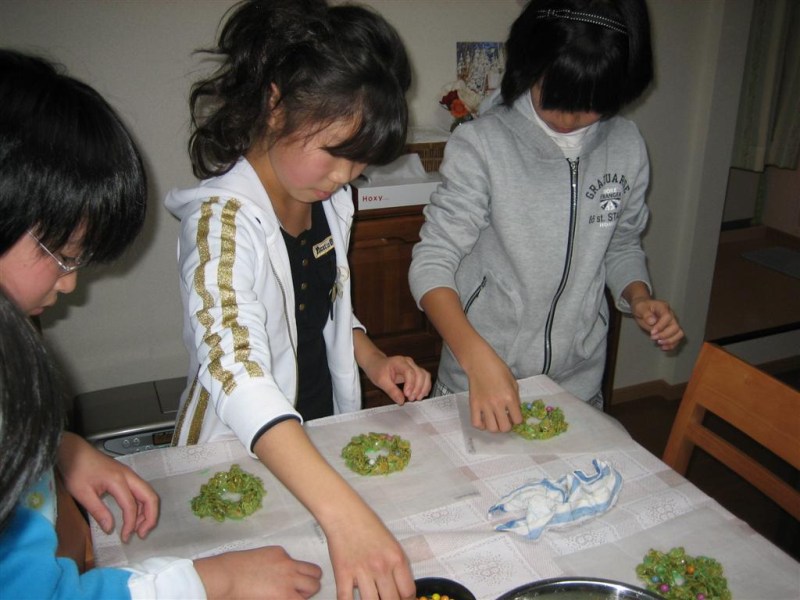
493	393
267	572
366	555
493	390
89	475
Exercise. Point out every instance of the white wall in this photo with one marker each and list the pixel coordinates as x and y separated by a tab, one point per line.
123	324
688	123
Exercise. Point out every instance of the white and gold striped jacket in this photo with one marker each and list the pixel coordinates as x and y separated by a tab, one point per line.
238	298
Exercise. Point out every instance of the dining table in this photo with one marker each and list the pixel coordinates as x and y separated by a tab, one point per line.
438	505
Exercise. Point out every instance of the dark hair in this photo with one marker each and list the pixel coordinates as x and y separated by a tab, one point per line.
31	407
66	160
328	64
582	66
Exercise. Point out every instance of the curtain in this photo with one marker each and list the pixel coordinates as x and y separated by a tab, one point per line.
768	124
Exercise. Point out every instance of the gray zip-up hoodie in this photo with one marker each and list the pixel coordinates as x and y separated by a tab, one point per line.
529	239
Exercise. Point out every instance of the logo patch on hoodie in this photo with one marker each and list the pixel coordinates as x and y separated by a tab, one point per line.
607	192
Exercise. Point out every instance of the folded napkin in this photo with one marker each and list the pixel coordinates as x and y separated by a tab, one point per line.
573	497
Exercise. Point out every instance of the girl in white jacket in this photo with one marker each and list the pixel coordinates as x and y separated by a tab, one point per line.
306	96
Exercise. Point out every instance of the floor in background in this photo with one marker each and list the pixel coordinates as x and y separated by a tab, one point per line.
747	299
649	421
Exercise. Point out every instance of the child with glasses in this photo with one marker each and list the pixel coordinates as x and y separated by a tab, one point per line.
542	207
66	263
73	191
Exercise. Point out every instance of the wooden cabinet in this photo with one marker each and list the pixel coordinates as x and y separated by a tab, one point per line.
380	255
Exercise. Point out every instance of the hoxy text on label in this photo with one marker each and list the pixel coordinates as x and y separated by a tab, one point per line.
367	198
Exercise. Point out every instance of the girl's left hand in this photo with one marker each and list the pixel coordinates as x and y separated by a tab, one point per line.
656	318
388	372
89	475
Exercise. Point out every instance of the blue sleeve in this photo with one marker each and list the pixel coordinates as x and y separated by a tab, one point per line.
29	567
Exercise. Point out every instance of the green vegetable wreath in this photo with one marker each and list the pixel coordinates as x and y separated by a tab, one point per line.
376	453
550	422
232	494
677	576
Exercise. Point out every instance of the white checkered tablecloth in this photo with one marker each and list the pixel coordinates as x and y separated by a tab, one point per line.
437	507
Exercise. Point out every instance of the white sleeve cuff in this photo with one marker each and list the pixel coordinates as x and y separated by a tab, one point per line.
165	577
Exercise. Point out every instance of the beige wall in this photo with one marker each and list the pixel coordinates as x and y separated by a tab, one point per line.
123	325
741	195
782	204
781	208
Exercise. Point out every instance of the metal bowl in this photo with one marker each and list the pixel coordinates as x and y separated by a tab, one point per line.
427	586
579	588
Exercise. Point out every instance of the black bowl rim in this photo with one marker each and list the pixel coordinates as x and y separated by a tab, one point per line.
460	587
545	583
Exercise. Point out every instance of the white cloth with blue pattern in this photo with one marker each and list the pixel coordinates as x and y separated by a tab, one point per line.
573	497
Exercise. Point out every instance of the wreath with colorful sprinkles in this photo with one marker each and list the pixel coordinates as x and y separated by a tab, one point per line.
376	453
550	421
678	576
233	494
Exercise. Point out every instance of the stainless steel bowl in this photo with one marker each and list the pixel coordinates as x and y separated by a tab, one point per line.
579	588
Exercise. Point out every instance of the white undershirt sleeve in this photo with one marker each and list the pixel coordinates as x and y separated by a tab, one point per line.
165	577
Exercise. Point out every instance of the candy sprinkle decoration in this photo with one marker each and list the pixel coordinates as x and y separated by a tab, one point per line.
232	494
678	576
376	453
550	421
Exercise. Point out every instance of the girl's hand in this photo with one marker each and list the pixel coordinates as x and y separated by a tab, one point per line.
656	318
388	372
493	389
493	393
89	474
364	554
267	572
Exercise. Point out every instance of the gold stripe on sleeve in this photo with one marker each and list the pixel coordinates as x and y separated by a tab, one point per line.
227	294
176	434
198	417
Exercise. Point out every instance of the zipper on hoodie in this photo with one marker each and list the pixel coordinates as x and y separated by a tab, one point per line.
573	220
474	295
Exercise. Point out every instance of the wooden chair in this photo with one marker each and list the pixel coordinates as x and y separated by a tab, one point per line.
72	530
753	402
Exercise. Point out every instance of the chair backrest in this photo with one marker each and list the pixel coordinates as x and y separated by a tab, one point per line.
765	409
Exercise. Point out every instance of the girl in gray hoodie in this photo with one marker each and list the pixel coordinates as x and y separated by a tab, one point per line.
542	207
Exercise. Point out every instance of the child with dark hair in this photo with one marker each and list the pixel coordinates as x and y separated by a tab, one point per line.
306	96
31	411
71	180
73	191
541	207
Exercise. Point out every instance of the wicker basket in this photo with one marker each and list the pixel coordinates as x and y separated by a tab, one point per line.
431	154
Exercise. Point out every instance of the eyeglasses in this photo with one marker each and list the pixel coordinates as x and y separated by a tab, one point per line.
67	264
